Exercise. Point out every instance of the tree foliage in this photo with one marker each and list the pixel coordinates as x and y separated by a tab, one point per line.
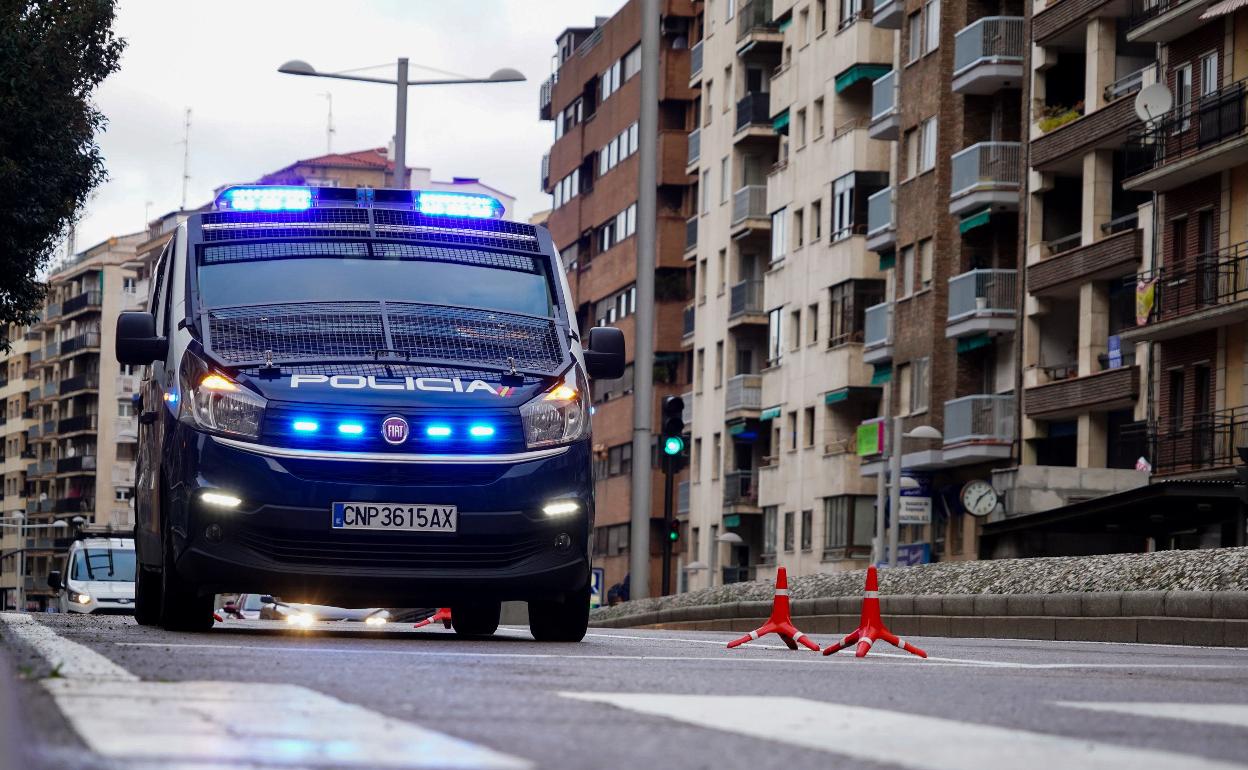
53	55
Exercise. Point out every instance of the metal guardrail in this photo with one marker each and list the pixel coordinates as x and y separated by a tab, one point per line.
877	325
1188	128
1207	441
695	59
76	463
992	39
749	202
695	146
884	96
746	297
744	391
979	418
1144	10
880	212
81	342
1131	82
741	488
87	299
1065	243
81	382
754	109
983	291
987	165
1121	224
755	15
1216	278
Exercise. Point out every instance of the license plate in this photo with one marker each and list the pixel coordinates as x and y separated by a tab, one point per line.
395	516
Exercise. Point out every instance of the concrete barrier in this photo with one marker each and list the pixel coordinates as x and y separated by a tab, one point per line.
1207	618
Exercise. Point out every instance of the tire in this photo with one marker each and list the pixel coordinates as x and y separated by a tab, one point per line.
476	619
146	596
181	606
565	621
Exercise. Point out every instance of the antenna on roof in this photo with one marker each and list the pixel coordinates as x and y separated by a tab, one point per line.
329	126
186	156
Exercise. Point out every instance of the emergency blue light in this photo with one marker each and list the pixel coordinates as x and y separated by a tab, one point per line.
350	428
266	198
438	431
481	431
305	426
456	204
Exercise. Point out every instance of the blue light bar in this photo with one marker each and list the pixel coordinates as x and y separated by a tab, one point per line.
481	431
438	431
350	428
266	198
456	204
305	426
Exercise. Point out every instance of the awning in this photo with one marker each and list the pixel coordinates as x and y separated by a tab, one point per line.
888	260
851	394
780	123
967	344
1223	8
976	220
770	414
785	22
860	72
882	374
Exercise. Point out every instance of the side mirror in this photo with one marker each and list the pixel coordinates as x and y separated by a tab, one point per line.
604	355
54	580
267	599
229	607
137	343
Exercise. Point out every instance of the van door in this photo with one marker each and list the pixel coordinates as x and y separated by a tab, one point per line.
152	419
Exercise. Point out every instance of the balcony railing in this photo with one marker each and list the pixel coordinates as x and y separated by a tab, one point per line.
1143	11
1206	441
81	382
884	96
755	16
691	233
741	488
1218	278
51	350
544	97
81	422
990	40
545	171
979	418
746	297
877	325
987	165
744	391
49	390
689	321
695	59
84	300
1187	129
81	342
1131	82
754	109
880	212
77	463
983	292
695	146
749	203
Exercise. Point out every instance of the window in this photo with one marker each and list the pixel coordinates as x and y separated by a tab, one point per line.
906	286
706	191
632	62
843	207
620	147
774	339
848	523
769	529
800	128
799	228
707	109
808	527
927	148
812	323
1183	95
1176	400
795	329
821	15
850	11
816	220
847	306
925	262
701	370
727	85
910	152
724	179
617	229
914	26
904	395
567	188
695	461
717	451
619	461
788	531
701	279
719	364
808	426
778	243
817	117
919	387
790	425
730	9
931	37
616	307
610	81
722	270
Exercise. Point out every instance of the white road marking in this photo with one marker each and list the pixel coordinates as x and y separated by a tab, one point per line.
896	738
217	724
1232	714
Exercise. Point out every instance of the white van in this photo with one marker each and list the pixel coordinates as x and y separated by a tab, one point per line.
98	577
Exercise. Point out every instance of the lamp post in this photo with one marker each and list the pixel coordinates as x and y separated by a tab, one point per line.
896	441
18	516
401	82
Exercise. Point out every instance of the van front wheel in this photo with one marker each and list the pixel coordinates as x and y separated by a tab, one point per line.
181	606
565	621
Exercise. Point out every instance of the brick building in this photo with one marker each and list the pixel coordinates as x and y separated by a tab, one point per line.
591	172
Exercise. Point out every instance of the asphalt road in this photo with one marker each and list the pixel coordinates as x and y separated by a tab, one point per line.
105	693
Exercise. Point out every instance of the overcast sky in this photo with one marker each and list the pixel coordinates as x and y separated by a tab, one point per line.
220	59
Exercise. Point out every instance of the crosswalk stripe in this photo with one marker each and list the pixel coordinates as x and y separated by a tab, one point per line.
68	659
890	737
1232	714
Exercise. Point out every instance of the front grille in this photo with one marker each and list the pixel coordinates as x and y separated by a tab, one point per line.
396	550
461	334
389	370
308	330
393	474
323	223
245	252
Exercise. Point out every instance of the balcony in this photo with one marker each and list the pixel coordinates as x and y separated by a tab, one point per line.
544	97
986	175
135	298
881	230
126	430
1131	82
1163	21
1063	148
82	382
36	356
755	26
82	422
982	302
87	341
741	488
77	504
885	117
123	474
695	63
86	300
1210	292
745	304
888	14
1116	388
1208	443
1111	257
743	394
988	55
695	146
753	117
877	335
51	350
126	385
690	315
749	208
1192	141
49	390
978	429
76	464
687	414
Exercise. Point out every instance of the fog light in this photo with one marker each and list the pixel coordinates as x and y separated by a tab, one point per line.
300	619
374	620
561	508
563	542
220	500
212	533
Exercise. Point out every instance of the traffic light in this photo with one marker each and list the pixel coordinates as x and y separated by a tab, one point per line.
672	433
673	531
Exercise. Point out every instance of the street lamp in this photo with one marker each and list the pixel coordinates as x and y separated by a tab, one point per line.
897	483
18	516
299	67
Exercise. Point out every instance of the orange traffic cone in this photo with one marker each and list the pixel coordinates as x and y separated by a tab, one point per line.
779	623
871	627
443	614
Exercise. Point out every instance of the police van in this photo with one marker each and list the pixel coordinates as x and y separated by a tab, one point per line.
364	398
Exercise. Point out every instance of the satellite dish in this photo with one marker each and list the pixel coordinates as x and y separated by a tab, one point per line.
1153	101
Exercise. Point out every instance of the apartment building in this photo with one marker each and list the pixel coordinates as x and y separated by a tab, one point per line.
591	171
15	418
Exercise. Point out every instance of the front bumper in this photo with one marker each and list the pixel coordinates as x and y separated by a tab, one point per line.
279	539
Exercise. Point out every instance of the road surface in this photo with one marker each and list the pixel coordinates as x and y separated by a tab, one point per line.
106	693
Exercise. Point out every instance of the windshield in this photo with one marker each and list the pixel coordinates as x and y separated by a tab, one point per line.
108	564
251	602
344	279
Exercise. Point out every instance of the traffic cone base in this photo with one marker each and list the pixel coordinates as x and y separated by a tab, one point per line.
780	623
443	614
871	628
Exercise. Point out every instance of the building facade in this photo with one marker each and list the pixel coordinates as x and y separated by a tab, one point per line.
593	101
16	417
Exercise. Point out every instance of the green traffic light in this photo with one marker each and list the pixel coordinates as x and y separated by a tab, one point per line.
673	536
674	445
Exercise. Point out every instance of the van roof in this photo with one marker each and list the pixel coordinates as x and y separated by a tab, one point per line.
122	543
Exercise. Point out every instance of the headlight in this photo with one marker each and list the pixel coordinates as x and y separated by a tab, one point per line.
215	402
374	620
559	415
80	598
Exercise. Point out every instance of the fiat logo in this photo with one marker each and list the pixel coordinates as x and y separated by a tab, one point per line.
394	430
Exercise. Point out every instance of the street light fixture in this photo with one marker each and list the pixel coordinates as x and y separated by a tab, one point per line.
401	82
